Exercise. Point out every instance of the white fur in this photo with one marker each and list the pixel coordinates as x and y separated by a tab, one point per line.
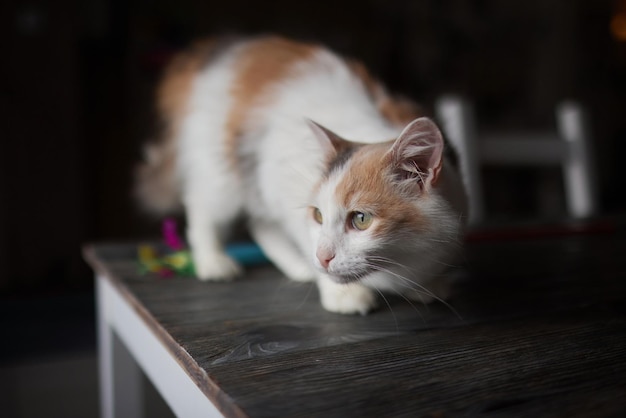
276	190
201	166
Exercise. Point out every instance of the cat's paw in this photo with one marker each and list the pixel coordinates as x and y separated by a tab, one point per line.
347	299
216	267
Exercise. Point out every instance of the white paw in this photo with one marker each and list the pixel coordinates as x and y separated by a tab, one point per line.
347	299
216	267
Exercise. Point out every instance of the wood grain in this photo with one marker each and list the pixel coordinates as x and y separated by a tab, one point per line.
534	328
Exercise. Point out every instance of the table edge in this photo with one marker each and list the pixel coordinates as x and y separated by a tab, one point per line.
200	377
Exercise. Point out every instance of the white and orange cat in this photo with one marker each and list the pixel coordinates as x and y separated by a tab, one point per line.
339	182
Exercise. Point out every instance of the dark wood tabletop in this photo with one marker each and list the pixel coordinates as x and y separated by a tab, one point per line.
534	327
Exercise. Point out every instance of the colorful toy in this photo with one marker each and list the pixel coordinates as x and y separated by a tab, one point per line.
170	234
177	260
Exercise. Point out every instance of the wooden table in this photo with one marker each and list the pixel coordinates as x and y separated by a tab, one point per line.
536	328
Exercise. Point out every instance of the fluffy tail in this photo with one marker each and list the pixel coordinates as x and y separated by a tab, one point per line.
157	187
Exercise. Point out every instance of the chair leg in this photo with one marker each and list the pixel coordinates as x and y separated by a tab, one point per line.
457	118
578	168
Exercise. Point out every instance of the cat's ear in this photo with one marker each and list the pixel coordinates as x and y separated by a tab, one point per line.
331	143
417	154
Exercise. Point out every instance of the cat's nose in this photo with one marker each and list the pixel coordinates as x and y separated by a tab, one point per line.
325	257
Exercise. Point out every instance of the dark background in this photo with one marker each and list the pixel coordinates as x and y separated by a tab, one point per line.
76	100
76	82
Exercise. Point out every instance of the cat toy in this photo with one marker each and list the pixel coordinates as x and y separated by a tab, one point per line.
177	260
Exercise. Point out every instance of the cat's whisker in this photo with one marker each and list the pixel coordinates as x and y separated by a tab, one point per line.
389	261
410	303
444	241
395	319
306	297
443	263
419	244
409	284
385	260
405	282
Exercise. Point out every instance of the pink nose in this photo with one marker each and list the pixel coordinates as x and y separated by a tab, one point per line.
325	257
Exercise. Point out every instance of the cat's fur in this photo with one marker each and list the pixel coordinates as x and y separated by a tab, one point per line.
252	127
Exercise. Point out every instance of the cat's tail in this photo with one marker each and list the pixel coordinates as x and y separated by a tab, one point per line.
157	184
157	187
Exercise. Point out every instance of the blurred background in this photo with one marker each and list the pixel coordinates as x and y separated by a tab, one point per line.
76	103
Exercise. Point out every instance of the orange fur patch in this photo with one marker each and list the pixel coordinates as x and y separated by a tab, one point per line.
397	110
372	85
262	63
365	186
175	88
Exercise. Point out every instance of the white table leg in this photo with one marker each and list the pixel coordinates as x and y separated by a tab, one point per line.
121	390
127	346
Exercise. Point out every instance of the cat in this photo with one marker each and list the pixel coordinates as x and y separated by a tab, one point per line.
339	181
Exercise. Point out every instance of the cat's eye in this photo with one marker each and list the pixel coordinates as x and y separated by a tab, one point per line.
361	220
317	215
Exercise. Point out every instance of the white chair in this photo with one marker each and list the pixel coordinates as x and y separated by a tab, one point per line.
569	147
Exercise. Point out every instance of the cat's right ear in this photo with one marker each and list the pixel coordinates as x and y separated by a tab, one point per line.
331	143
417	154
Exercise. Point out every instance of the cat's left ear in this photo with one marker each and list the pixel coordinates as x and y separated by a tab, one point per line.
417	154
331	143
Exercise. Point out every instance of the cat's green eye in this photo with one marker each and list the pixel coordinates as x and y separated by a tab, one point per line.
317	215
361	220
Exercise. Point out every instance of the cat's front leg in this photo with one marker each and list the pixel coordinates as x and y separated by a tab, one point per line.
282	251
351	298
214	265
210	260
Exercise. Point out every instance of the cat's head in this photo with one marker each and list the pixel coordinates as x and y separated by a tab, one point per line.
378	205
